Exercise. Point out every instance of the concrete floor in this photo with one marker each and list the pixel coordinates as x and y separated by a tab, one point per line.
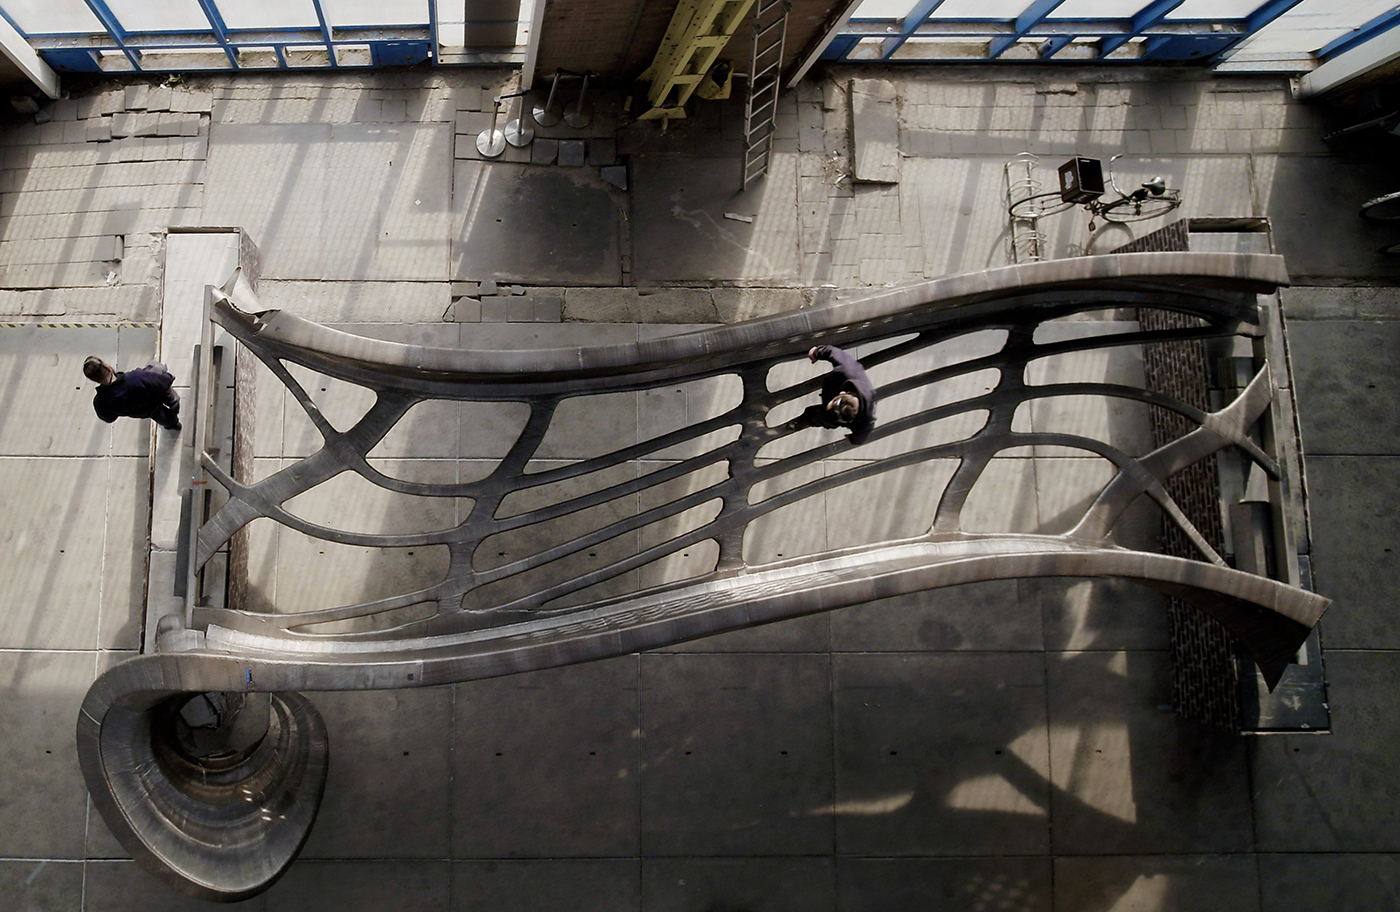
1004	746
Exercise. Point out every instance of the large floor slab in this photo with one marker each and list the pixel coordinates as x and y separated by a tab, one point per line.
1162	883
1130	776
1335	793
1329	882
541	226
952	884
768	884
1348	391
547	764
738	755
74	525
388	745
941	755
563	885
681	233
1315	197
45	400
335	201
44	804
1356	538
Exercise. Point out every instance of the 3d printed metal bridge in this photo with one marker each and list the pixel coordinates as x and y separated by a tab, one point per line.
220	808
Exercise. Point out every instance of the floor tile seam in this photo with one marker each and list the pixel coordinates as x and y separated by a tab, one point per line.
51	650
1363	650
1379	318
644	857
908	652
106	542
1243	853
27	457
1284	854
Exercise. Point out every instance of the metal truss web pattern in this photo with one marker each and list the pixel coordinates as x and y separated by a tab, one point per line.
1080	31
131	36
551	598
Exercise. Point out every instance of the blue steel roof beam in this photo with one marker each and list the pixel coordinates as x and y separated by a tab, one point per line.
325	33
991	28
1255	21
1145	18
114	28
1031	17
1052	46
1361	34
433	31
917	16
1268	13
216	22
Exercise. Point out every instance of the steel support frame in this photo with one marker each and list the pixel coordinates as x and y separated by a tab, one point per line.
1360	35
1150	23
131	44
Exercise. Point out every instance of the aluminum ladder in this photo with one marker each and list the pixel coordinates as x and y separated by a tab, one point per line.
765	73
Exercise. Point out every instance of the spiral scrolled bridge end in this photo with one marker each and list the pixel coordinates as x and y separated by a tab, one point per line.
213	792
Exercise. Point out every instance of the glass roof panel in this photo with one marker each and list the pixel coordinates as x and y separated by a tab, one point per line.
1097	9
1215	9
980	9
884	9
375	12
53	17
268	14
1312	24
159	15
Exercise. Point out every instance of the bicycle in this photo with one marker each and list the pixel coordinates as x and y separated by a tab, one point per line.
1153	199
1384	209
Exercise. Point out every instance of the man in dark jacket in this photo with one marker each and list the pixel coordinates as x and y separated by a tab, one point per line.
143	393
848	398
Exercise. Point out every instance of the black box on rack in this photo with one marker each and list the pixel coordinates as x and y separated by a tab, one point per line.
1081	180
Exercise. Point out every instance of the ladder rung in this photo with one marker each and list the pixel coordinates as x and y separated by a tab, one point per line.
769	27
761	105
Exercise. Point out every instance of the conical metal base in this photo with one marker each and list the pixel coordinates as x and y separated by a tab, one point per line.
490	143
519	134
546	117
578	116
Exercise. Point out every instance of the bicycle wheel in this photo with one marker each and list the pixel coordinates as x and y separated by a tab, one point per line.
1038	206
1382	208
1131	210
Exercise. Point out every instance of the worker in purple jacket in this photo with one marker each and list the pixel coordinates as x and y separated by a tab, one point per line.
848	398
141	393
